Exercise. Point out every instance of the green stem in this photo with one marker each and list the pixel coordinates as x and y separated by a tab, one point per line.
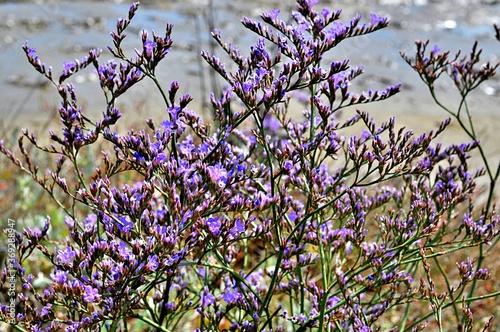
472	135
152	323
448	286
324	278
17	327
467	300
405	317
265	304
492	178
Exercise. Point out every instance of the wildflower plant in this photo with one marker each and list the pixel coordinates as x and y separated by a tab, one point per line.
259	218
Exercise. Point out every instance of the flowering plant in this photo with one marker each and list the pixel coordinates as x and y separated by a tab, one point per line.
266	220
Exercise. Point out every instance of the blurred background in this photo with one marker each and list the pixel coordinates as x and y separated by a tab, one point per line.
65	30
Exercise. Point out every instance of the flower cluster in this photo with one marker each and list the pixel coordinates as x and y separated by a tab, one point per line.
263	219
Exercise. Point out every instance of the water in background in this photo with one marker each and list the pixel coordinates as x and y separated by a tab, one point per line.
64	30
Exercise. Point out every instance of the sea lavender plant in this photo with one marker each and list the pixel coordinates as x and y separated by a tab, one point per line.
259	219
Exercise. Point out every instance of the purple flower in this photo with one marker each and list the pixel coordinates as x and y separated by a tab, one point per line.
272	124
33	233
46	310
149	47
90	221
214	226
66	257
74	66
91	295
31	53
168	126
152	264
107	74
74	327
259	56
206	298
308	4
273	14
231	295
239	227
124	224
60	277
375	20
69	68
218	175
337	30
36	62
